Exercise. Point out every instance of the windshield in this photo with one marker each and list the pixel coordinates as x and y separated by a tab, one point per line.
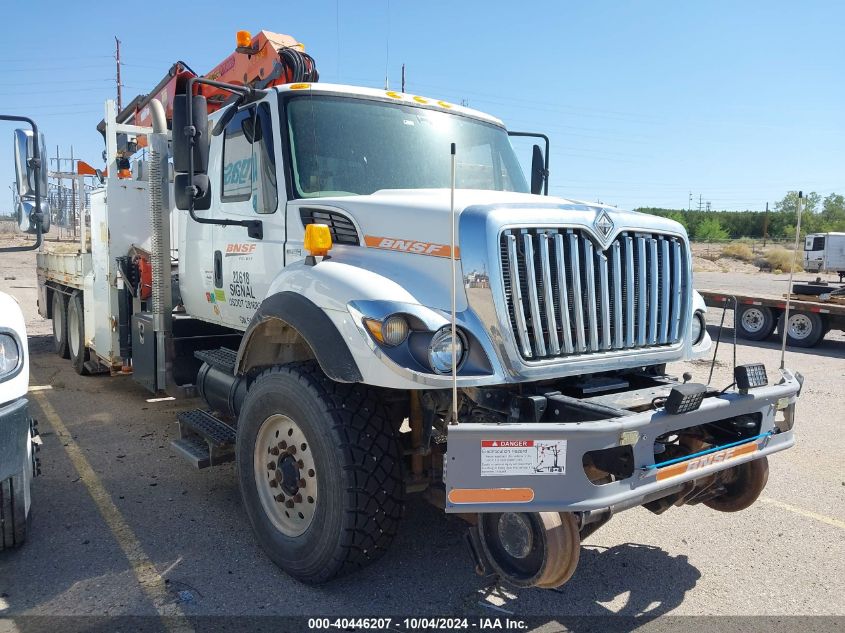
351	146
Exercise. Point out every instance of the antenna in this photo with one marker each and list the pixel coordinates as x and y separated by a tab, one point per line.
387	52
791	273
454	297
117	59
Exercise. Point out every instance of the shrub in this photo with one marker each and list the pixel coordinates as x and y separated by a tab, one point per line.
709	230
780	259
738	250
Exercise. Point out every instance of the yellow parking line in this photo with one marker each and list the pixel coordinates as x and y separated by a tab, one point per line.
804	513
152	584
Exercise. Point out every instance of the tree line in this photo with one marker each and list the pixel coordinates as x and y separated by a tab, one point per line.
820	215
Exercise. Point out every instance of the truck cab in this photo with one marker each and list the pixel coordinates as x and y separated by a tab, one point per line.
374	166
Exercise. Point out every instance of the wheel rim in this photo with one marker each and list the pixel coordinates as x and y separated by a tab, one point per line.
800	326
285	475
58	324
73	330
753	320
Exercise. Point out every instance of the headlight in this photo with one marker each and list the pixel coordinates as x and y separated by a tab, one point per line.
697	327
440	350
10	354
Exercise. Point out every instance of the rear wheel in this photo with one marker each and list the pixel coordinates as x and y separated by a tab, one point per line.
805	329
320	472
76	333
59	311
755	323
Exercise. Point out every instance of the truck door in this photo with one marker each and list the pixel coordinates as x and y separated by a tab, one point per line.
244	266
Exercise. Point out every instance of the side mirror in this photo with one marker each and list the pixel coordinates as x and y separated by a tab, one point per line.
538	171
26	218
182	142
25	170
202	188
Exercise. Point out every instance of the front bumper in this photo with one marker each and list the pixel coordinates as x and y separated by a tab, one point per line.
488	467
14	437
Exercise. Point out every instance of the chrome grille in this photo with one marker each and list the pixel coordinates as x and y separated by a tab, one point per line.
566	296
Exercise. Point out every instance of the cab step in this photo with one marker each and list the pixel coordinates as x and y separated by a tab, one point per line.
222	358
204	440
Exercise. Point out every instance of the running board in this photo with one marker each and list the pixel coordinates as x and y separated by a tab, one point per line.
204	440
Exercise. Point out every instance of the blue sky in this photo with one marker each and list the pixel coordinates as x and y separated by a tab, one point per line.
644	101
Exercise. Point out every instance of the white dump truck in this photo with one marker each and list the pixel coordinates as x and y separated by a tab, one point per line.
18	431
372	302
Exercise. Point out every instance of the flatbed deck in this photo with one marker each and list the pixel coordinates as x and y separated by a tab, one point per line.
758	315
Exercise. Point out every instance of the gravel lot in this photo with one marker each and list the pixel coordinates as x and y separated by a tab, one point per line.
784	556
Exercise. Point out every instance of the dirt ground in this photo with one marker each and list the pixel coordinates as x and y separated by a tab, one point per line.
783	556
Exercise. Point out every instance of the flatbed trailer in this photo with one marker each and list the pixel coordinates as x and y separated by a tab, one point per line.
811	315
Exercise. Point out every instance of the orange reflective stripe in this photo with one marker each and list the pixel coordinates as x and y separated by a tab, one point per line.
491	495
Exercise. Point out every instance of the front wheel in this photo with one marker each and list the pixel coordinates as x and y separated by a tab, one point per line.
320	471
14	508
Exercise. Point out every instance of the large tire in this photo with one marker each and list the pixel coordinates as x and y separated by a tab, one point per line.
806	329
755	323
76	333
749	481
14	508
60	324
338	497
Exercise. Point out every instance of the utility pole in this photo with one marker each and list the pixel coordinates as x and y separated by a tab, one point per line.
699	203
403	78
708	206
117	58
689	203
766	225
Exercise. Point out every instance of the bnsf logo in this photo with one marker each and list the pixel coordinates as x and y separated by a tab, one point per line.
409	246
240	249
707	460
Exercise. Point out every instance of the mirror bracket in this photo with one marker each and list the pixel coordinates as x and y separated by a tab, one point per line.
545	171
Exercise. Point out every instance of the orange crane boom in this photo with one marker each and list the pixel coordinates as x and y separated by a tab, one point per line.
265	60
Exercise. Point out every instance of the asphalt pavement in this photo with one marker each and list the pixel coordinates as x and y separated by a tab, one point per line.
138	531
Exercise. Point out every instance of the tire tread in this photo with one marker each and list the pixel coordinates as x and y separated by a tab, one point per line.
374	484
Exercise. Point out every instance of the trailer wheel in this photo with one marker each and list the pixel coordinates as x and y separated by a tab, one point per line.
755	323
60	324
320	471
14	508
748	483
805	329
76	333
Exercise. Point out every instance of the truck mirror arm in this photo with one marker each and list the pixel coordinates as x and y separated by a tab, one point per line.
35	163
545	138
255	228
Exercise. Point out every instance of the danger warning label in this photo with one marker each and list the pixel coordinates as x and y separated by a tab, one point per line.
523	457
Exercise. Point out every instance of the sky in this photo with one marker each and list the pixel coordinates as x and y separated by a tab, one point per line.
646	103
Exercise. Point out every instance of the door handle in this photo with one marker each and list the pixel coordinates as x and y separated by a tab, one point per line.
218	269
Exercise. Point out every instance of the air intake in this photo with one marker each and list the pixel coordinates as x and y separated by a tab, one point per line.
341	227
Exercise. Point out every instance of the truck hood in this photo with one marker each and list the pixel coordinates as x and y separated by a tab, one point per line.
421	216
